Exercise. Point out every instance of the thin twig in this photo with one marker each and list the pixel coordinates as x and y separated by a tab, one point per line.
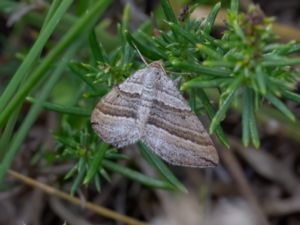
284	31
95	208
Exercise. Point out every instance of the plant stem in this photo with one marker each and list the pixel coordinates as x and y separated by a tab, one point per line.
93	207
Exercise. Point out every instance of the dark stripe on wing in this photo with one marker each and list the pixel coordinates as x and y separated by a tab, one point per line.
114	111
128	94
194	137
158	104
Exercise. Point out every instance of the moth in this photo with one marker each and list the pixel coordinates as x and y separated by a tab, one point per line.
149	107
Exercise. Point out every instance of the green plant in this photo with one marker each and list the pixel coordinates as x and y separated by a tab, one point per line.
246	67
27	77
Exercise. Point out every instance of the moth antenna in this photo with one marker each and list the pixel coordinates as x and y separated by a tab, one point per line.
140	54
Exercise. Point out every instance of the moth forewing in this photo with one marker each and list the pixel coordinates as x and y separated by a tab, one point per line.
148	107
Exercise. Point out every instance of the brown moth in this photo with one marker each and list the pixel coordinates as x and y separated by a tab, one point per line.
149	107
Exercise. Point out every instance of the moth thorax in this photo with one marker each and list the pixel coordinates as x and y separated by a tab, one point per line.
151	78
142	117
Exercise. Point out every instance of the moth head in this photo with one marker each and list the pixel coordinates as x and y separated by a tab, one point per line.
158	64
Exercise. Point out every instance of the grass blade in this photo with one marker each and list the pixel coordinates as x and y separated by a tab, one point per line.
136	176
79	177
281	106
221	112
97	49
200	83
33	54
196	68
31	116
211	18
96	163
292	96
66	41
234	6
8	132
246	116
252	120
148	51
179	30
161	167
62	108
211	113
261	80
168	11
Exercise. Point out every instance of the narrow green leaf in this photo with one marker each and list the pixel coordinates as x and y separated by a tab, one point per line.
52	9
281	106
238	30
200	83
81	25
209	23
252	119
148	51
125	17
78	70
292	96
280	61
234	6
34	52
211	41
211	113
170	15
283	49
62	108
127	54
192	99
97	182
71	172
218	63
81	7
179	30
22	132
161	167
235	84
233	20
8	132
246	116
261	80
96	162
116	156
97	49
136	176
221	112
212	53
166	39
104	174
295	48
200	69
78	180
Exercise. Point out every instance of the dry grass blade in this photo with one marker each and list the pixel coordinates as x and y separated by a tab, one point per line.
95	208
